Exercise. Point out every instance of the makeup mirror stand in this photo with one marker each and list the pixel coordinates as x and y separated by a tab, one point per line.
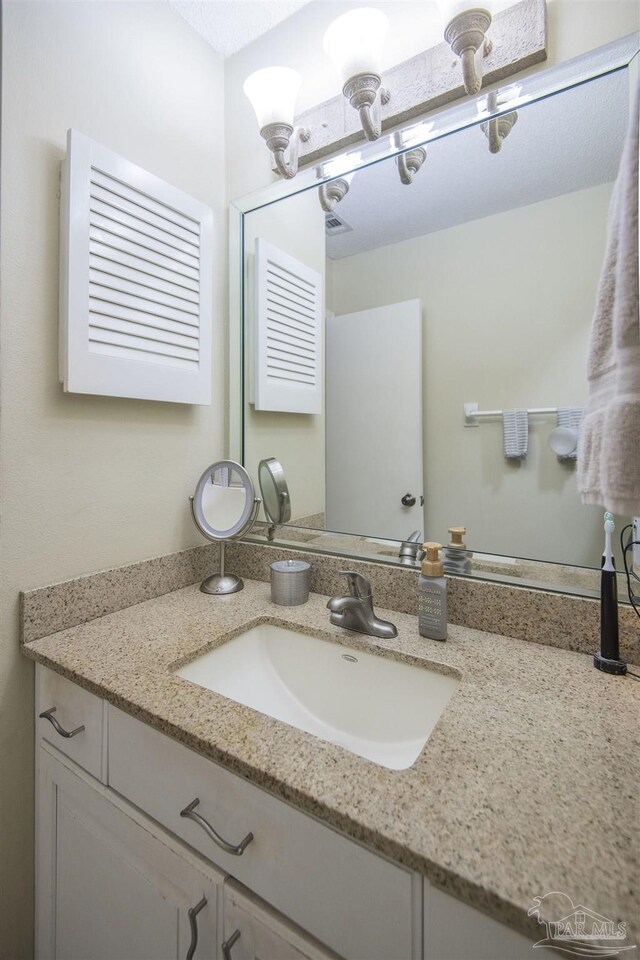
223	583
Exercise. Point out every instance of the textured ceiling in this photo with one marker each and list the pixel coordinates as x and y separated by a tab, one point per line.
568	142
229	25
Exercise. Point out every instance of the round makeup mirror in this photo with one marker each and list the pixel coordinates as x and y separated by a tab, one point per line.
224	507
275	493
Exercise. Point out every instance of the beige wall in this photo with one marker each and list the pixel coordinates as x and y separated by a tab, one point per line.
507	304
87	482
575	26
296	226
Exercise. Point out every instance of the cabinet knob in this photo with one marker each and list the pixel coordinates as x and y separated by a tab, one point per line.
236	849
48	715
226	946
193	923
408	500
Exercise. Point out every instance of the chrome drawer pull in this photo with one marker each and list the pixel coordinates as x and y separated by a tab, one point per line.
48	715
193	923
226	946
208	829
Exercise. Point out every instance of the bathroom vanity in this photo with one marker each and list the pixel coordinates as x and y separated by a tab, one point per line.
175	822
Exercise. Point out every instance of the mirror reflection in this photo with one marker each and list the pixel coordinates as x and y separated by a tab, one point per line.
416	340
275	492
224	498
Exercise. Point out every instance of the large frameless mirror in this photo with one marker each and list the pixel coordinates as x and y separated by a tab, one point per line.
414	352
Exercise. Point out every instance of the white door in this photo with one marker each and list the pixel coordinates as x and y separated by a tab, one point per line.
107	887
374	421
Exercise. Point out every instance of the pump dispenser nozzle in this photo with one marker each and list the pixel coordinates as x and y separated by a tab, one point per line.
457	559
457	533
432	565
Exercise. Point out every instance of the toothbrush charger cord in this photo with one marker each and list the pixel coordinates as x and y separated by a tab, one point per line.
634	598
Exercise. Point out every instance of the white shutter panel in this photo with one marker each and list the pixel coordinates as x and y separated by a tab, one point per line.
136	273
289	335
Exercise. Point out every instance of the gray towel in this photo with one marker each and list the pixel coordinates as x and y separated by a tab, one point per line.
516	434
609	452
571	418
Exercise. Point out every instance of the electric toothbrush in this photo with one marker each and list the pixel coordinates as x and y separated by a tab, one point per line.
608	660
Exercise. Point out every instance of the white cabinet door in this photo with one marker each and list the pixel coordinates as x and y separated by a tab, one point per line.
110	886
253	931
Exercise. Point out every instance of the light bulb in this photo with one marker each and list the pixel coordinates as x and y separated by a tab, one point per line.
355	42
272	92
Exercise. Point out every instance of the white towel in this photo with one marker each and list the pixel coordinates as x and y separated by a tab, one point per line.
609	452
516	434
570	418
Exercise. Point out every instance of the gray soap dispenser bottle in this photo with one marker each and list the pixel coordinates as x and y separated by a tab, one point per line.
432	595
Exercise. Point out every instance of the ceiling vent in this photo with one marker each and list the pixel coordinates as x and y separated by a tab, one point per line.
335	225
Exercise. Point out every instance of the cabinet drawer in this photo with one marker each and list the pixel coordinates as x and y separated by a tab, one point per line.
356	902
74	708
253	931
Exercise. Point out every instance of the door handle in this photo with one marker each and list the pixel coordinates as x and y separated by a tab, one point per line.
49	715
408	500
226	946
193	923
236	849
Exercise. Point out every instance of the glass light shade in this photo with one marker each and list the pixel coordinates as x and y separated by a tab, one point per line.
451	8
272	92
355	41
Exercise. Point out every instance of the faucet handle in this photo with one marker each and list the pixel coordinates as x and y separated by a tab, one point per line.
359	586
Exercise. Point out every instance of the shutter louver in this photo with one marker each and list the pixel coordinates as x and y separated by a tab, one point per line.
289	333
136	281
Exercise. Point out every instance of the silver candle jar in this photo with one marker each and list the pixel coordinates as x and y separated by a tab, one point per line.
290	582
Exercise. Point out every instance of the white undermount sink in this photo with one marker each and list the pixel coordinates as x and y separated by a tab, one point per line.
374	706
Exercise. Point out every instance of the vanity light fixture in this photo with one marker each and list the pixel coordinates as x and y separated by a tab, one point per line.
497	129
354	41
334	191
272	92
465	32
410	162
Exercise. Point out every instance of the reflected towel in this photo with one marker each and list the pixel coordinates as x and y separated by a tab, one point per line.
516	434
609	451
570	418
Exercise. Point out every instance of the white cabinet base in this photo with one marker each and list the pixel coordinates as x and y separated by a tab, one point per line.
119	869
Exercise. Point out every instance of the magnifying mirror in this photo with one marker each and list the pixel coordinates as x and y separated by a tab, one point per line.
275	493
224	507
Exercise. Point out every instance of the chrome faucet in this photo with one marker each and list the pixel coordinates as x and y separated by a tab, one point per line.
355	612
411	551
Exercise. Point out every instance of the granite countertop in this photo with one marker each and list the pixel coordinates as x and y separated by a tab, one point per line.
528	784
